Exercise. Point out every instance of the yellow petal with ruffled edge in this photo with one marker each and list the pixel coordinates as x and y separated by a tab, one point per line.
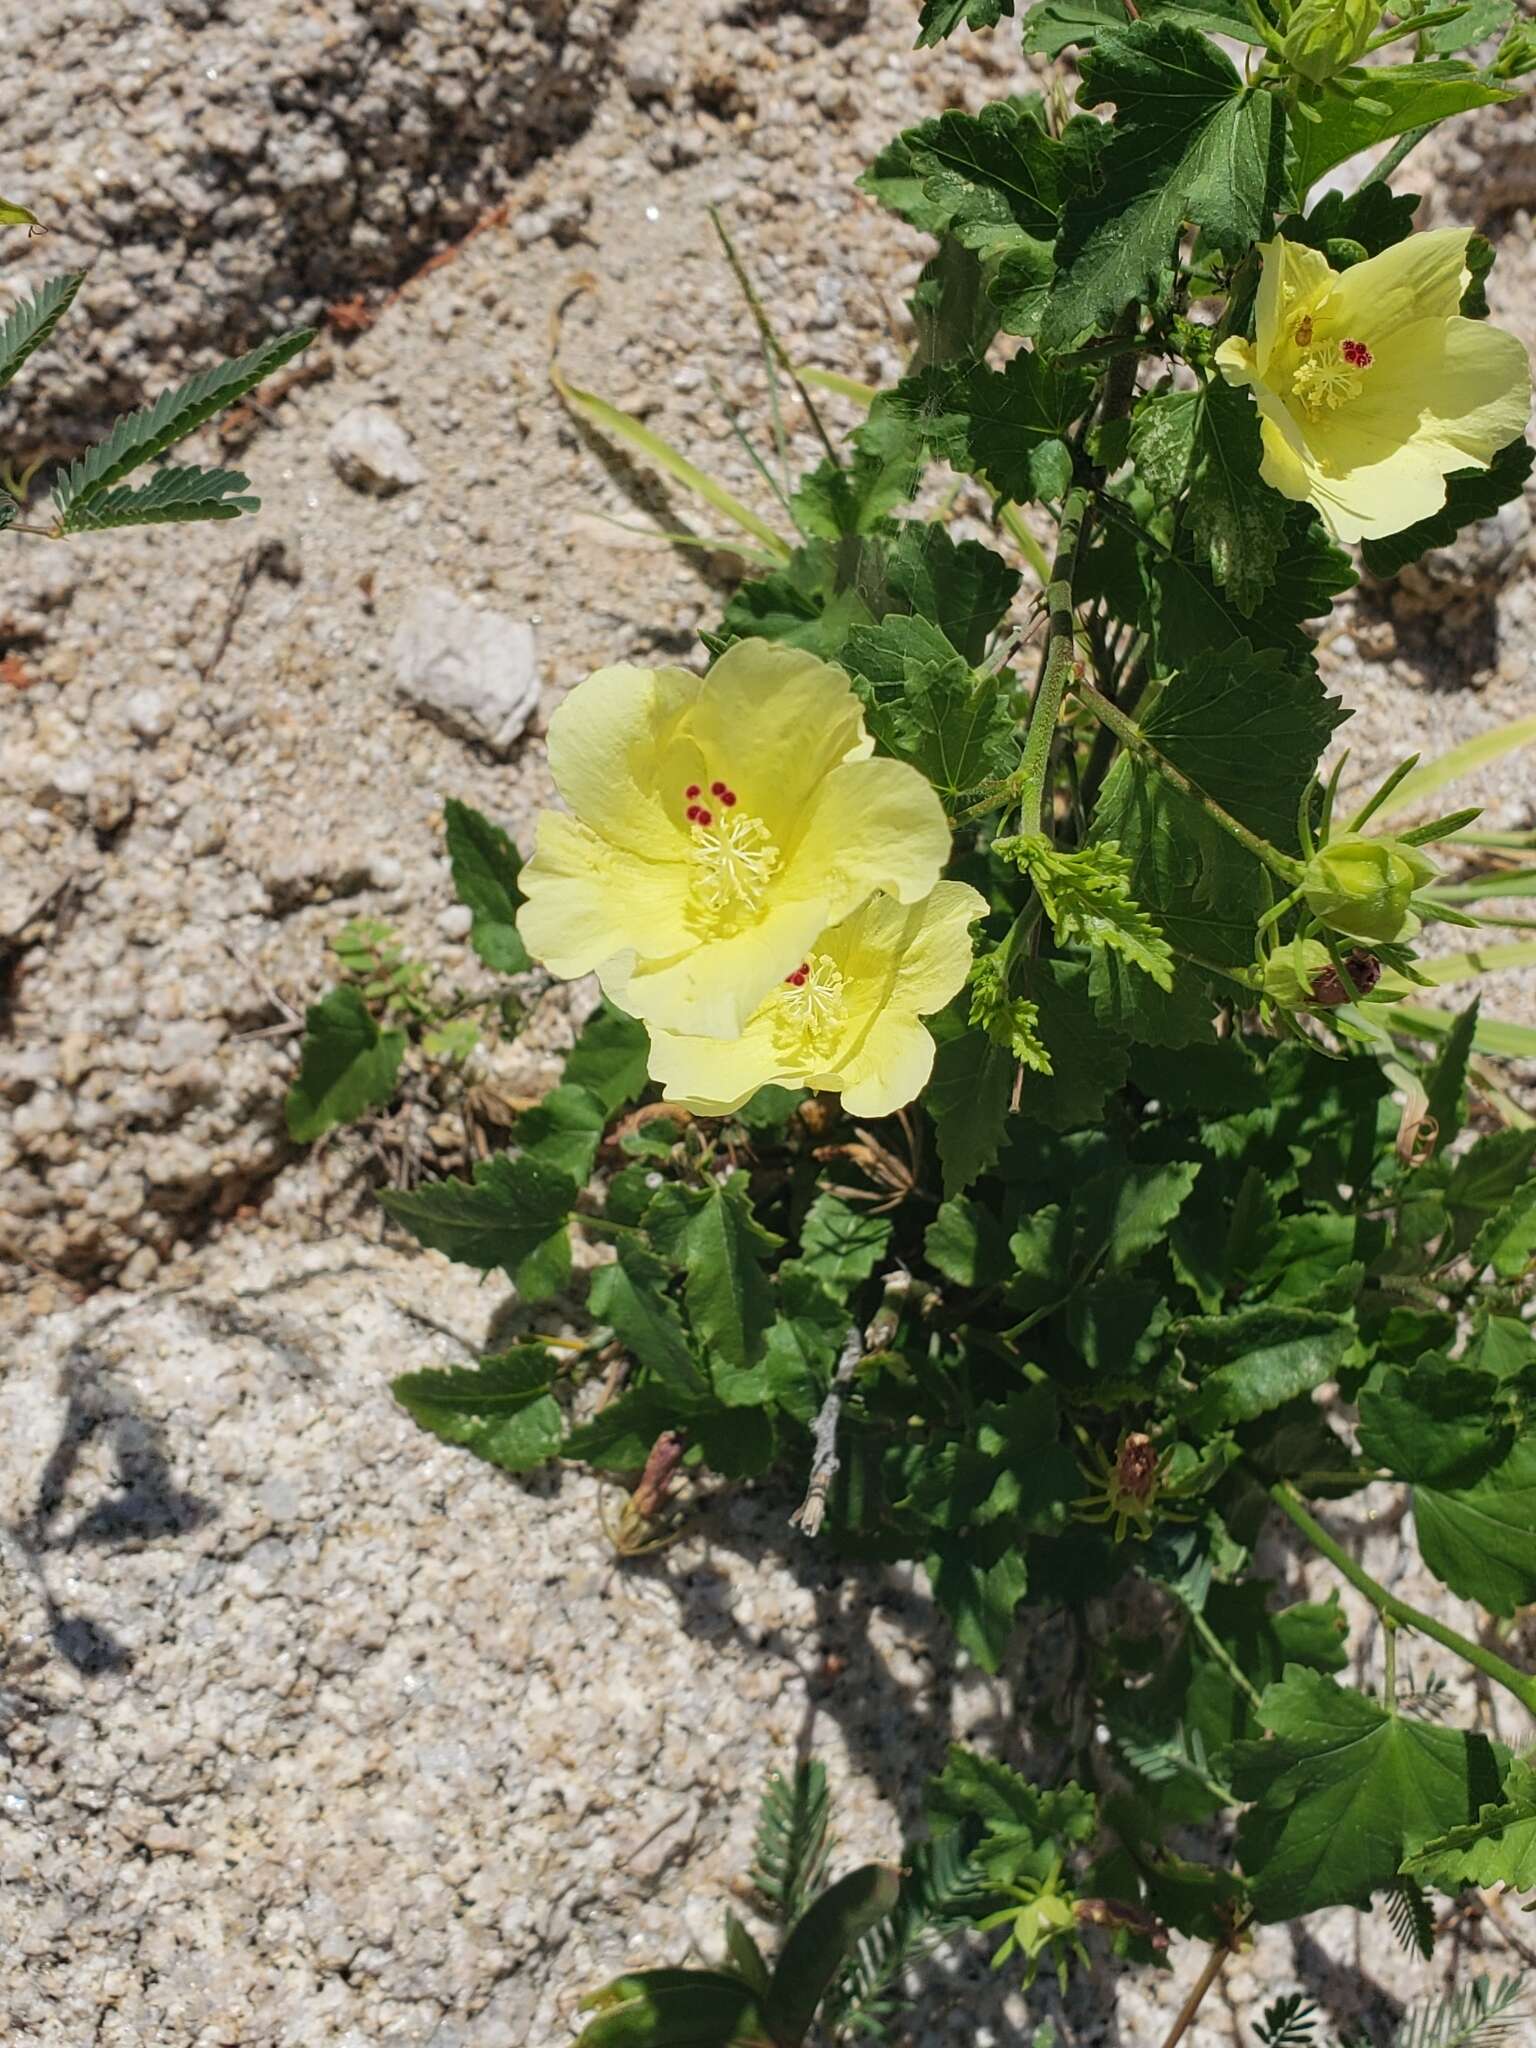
1371	386
720	823
846	1020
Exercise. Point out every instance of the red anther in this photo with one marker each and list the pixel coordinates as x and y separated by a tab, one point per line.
1356	354
728	798
692	791
703	817
717	789
695	815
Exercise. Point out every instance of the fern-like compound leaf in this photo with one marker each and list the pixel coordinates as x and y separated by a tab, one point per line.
793	1840
30	325
140	436
177	494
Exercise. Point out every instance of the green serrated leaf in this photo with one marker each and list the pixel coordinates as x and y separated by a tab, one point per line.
992	178
1388	100
1499	1847
609	1058
1189	143
347	1065
564	1130
631	1297
965	589
1254	1360
34	320
720	1246
1087	897
178	494
486	866
1191	614
955	726
1470	495
1373	215
1481	1539
1163	429
1006	426
1236	520
967	1243
1345	1792
940	18
504	1220
1437	1422
980	1596
1055	24
502	1409
967	1099
841	1244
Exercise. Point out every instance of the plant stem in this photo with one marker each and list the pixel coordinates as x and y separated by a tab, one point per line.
1028	784
1223	1656
1131	736
1215	1963
1390	1608
1398	153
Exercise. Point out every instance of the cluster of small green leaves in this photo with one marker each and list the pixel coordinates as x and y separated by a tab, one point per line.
357	1035
89	495
844	1948
1138	1274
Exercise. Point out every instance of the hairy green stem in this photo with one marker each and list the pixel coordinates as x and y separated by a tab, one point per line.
1028	784
1398	153
1135	741
1223	1656
1517	1683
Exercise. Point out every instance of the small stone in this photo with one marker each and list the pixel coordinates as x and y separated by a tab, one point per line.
649	74
150	714
474	671
371	451
455	921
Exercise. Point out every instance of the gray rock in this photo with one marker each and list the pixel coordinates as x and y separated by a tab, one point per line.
474	671
150	714
649	74
371	451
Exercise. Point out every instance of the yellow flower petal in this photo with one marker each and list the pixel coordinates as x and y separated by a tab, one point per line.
587	900
1293	281
890	1068
776	720
725	820
1419	278
606	744
870	825
847	1020
1371	387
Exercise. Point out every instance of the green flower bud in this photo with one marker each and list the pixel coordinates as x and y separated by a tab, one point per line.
1290	971
1362	887
1302	976
1327	36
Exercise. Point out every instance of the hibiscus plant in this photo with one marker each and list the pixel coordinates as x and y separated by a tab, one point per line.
1014	1127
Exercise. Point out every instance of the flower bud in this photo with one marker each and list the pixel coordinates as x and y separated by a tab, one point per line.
1327	36
1302	976
1363	887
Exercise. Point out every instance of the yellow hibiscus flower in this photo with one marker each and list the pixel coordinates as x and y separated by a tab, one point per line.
720	823
1372	386
845	1019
